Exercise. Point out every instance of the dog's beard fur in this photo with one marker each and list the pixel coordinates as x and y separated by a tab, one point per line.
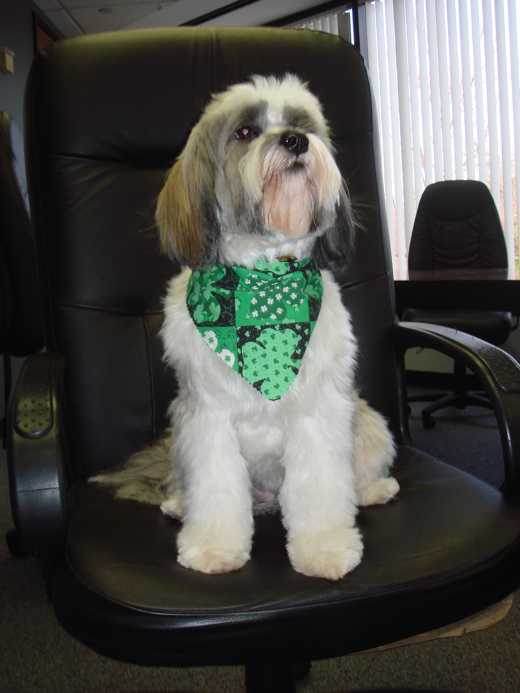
295	192
287	203
238	194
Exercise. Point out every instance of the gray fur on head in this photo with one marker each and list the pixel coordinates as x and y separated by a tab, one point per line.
257	178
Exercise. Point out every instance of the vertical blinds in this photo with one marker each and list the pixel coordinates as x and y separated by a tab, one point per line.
328	23
446	81
337	23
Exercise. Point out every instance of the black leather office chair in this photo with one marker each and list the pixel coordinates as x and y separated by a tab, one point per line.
106	115
457	227
20	325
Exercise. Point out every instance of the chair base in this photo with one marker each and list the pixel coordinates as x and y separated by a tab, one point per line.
14	544
477	399
275	677
460	398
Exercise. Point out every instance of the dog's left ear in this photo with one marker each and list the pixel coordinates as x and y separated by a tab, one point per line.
334	248
186	214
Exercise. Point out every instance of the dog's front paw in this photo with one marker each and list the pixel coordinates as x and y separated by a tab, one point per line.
327	554
203	550
378	492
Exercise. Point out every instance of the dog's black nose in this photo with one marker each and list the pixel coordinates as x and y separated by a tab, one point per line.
295	142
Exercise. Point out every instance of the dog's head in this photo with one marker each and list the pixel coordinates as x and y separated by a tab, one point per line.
257	178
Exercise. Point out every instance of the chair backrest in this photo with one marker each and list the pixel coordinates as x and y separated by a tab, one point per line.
20	325
457	226
106	116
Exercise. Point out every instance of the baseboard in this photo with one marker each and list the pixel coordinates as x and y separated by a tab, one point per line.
485	619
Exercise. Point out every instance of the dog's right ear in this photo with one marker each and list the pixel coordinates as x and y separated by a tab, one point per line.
186	210
179	231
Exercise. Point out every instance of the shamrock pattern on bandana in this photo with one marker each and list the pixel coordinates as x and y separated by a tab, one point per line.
258	321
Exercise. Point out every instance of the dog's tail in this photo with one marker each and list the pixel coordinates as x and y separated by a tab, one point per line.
146	476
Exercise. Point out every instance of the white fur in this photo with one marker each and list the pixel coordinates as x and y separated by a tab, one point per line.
320	450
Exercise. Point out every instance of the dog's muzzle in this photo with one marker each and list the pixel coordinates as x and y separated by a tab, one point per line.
295	142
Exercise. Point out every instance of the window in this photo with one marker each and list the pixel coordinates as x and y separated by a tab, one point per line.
446	81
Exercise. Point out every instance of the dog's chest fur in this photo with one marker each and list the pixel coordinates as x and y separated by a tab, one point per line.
261	425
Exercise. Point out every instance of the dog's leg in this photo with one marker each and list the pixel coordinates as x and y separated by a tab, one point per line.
374	452
318	496
217	505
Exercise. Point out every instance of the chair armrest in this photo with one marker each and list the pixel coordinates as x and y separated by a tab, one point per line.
36	454
498	374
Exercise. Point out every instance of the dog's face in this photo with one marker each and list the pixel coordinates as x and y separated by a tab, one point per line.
257	175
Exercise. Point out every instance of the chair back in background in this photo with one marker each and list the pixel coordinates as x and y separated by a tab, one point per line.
457	226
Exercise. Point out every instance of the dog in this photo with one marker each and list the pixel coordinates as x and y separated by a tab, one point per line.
267	414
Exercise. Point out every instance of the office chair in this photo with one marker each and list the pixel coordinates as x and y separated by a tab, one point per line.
20	325
105	117
457	226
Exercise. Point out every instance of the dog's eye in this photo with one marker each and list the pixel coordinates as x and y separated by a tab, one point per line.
245	132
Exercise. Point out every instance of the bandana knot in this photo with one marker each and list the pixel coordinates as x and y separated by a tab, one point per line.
258	321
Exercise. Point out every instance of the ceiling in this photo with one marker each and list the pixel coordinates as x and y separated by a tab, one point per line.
76	17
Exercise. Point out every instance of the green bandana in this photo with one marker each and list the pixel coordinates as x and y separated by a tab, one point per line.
258	321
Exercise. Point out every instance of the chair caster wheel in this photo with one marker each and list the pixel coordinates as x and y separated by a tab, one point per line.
14	544
301	670
428	422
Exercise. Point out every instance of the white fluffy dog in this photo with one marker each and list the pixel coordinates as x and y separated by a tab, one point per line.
261	342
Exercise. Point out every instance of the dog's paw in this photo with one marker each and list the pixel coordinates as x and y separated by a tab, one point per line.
173	505
201	550
212	560
327	554
378	492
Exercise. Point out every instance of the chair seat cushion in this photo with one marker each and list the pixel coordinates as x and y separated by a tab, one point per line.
491	326
437	541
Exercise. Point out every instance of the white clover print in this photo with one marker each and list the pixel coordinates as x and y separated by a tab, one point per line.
211	339
227	356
